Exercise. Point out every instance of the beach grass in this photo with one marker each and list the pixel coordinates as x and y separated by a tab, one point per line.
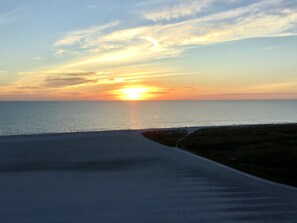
267	151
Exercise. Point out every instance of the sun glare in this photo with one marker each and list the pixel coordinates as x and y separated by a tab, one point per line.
136	92
133	93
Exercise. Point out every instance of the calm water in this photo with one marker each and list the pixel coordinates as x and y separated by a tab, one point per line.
49	117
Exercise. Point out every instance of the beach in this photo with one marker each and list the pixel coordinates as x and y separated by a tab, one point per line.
120	176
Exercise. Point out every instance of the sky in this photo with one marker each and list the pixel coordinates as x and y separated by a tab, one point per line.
148	49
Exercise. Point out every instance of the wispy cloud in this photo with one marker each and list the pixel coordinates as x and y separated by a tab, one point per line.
10	16
82	36
159	9
266	48
38	58
69	79
59	52
52	79
261	19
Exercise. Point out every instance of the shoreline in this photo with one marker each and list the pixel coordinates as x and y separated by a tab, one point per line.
191	128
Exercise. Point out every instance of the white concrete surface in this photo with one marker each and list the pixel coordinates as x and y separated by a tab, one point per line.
122	177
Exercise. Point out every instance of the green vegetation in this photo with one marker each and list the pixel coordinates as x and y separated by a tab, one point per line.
268	151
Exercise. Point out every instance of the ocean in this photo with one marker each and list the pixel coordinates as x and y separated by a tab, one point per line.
17	118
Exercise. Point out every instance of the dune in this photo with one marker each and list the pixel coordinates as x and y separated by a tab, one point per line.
120	176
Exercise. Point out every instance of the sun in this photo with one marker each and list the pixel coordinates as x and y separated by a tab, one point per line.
133	93
136	92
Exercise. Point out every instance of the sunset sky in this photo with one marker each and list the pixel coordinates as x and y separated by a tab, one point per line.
154	49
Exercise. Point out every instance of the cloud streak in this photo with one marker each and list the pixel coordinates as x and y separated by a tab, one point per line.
178	9
69	79
10	15
169	40
84	35
61	80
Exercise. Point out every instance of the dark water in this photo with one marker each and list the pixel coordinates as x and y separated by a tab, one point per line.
49	117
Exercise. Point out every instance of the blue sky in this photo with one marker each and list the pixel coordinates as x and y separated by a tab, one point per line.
178	49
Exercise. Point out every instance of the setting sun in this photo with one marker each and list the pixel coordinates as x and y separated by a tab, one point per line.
136	92
133	93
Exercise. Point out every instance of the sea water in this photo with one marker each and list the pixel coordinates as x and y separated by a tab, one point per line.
18	118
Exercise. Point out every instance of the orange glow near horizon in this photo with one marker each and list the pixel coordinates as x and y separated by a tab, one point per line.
133	93
136	93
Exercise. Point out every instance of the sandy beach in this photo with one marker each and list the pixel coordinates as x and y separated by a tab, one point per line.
120	176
